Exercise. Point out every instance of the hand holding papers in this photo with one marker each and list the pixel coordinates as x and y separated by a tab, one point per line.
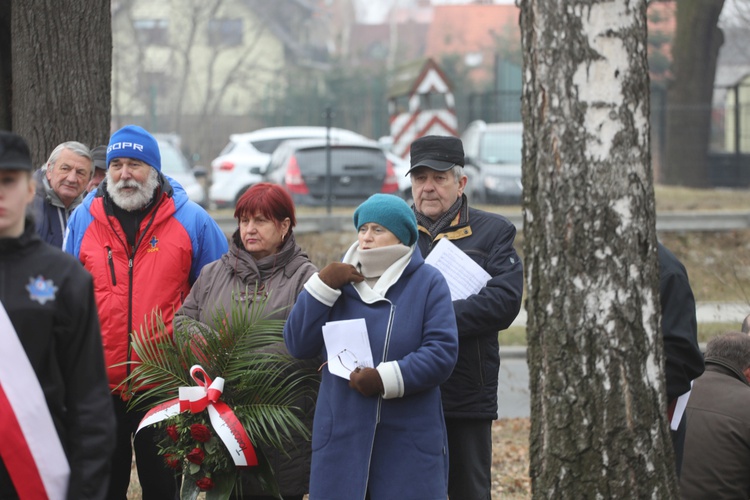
348	346
464	276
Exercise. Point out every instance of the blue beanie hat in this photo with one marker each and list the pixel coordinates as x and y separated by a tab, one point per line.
132	141
392	213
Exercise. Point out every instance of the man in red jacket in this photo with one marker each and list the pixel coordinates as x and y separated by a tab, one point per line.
145	243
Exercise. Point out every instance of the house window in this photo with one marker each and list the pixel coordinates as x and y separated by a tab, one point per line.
152	31
225	32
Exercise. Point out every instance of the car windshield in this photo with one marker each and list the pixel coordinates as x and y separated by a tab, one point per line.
501	147
268	146
172	161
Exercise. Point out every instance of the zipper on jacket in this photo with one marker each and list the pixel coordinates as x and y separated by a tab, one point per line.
130	311
481	363
111	265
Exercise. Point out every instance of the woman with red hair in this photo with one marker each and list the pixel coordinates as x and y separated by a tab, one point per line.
263	258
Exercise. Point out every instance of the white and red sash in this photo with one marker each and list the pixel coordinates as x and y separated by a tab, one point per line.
206	396
30	447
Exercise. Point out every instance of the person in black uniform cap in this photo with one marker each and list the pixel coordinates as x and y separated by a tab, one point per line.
55	406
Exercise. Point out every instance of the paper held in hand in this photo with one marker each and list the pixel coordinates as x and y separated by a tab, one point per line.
464	276
348	346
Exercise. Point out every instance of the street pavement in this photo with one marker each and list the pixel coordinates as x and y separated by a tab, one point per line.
513	381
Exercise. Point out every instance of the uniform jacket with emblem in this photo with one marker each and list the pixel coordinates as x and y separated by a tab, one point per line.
716	461
49	300
487	238
398	444
228	283
175	240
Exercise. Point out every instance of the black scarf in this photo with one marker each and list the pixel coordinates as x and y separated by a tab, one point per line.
438	225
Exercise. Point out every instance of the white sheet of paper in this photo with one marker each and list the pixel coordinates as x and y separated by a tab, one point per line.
348	346
679	409
464	276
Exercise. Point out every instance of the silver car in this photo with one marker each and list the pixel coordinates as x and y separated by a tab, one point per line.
175	165
495	149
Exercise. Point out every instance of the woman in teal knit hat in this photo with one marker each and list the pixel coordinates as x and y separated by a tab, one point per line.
379	431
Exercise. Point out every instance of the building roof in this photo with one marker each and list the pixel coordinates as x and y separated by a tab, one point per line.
472	30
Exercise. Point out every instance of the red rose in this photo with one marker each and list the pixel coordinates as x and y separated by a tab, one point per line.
205	483
172	461
200	433
196	456
172	432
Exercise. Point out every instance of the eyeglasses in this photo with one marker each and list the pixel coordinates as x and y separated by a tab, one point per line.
347	359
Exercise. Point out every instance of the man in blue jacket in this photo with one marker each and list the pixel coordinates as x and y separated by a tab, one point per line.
470	394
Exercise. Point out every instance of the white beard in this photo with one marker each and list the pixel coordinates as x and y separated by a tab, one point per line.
136	199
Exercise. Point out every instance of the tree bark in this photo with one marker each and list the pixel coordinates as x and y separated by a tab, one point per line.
5	68
598	401
689	94
61	70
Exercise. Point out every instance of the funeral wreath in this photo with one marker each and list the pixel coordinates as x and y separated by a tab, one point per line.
221	394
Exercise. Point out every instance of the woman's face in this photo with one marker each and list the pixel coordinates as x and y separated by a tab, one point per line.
262	236
373	235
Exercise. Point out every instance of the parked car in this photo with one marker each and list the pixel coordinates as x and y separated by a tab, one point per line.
243	161
175	165
358	169
495	149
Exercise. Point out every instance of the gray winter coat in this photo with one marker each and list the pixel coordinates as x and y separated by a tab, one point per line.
283	276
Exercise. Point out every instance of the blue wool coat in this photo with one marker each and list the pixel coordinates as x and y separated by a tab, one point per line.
395	447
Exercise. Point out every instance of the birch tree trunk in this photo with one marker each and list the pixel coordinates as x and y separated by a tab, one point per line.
61	72
598	401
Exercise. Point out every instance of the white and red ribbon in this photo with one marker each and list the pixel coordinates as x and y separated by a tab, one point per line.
206	396
30	447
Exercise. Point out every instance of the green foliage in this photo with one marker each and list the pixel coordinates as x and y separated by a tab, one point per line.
262	385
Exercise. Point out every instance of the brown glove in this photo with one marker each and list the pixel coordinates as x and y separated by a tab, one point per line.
338	274
367	381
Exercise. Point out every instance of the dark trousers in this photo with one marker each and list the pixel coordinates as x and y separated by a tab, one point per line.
158	481
470	458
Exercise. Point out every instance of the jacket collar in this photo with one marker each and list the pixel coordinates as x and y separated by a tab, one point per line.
457	229
404	265
718	365
29	236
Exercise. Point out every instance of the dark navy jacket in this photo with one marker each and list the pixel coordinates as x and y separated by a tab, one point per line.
60	335
471	390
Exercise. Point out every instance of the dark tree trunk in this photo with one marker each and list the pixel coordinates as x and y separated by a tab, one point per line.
6	122
689	94
598	401
61	70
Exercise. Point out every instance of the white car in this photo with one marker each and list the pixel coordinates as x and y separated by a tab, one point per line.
243	161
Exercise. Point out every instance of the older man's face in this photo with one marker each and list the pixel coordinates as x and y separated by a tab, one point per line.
131	183
435	192
69	175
